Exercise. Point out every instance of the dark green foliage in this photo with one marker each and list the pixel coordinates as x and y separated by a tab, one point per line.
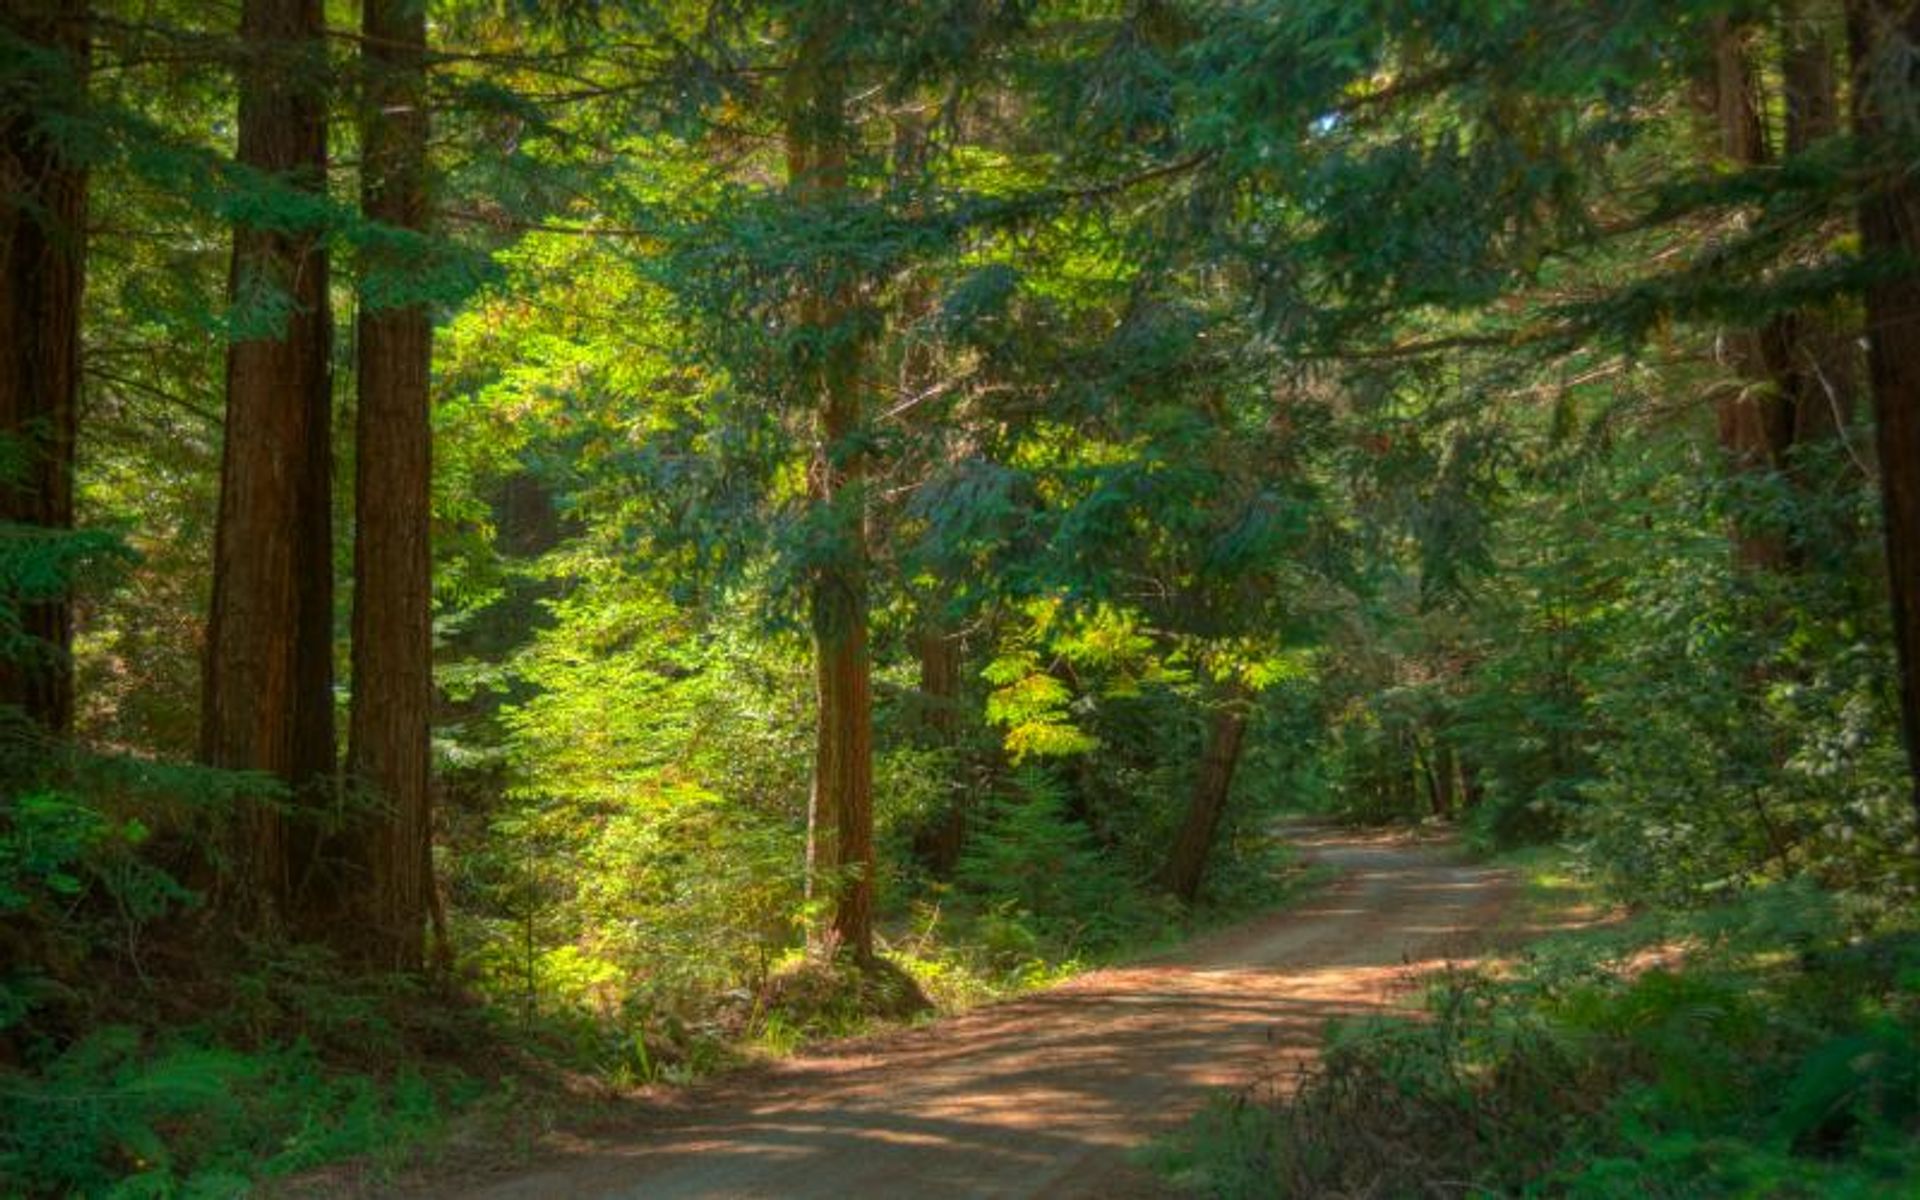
1041	883
117	1115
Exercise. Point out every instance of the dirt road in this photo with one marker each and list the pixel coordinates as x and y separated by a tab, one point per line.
1045	1096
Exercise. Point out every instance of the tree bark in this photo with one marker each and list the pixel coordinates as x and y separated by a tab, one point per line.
829	352
390	720
268	703
43	217
1885	41
1441	774
1817	362
940	844
1795	370
1755	422
1472	790
1186	865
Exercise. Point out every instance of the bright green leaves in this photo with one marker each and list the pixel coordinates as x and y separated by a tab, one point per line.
1035	708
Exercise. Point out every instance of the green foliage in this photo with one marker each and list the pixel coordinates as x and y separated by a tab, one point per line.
1042	885
119	1115
1356	354
1747	1051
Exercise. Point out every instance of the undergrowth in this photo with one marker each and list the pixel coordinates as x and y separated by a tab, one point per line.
1752	1050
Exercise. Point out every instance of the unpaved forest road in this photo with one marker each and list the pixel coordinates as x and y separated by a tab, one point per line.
1044	1096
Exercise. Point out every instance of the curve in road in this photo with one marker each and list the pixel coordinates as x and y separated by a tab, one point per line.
1045	1096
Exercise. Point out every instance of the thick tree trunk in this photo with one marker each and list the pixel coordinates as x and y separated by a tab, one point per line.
1885	37
43	205
268	703
388	729
840	813
1186	865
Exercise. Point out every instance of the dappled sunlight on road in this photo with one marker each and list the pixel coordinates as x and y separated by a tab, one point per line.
1044	1096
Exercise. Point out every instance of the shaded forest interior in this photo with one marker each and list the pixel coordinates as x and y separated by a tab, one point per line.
554	540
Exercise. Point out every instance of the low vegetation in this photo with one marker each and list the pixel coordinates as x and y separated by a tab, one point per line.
550	547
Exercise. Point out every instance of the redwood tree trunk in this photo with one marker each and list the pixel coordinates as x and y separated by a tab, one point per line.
840	814
388	728
43	202
1885	38
268	703
1186	863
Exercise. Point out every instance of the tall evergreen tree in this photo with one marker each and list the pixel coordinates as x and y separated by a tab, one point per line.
840	813
388	729
43	210
268	703
1885	40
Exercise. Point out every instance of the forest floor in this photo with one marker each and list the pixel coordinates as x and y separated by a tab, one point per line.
1047	1095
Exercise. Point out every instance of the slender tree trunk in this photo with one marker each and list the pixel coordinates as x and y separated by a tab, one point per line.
1472	790
939	845
840	814
388	728
1885	38
1186	865
43	217
268	703
1442	770
1755	421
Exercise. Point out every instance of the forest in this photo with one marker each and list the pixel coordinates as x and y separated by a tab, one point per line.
562	555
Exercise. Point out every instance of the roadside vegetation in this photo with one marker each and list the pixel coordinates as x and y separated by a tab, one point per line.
554	547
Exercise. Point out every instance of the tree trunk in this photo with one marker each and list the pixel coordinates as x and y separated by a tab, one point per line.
1885	39
1755	420
1442	771
840	812
43	207
1472	790
268	703
1193	846
939	845
389	724
1817	362
1795	371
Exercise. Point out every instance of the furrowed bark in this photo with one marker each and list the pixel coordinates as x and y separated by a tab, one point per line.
390	719
268	704
43	217
1884	36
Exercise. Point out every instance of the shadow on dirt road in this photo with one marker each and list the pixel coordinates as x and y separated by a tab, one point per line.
1044	1096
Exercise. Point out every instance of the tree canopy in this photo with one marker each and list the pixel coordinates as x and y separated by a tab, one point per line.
591	511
